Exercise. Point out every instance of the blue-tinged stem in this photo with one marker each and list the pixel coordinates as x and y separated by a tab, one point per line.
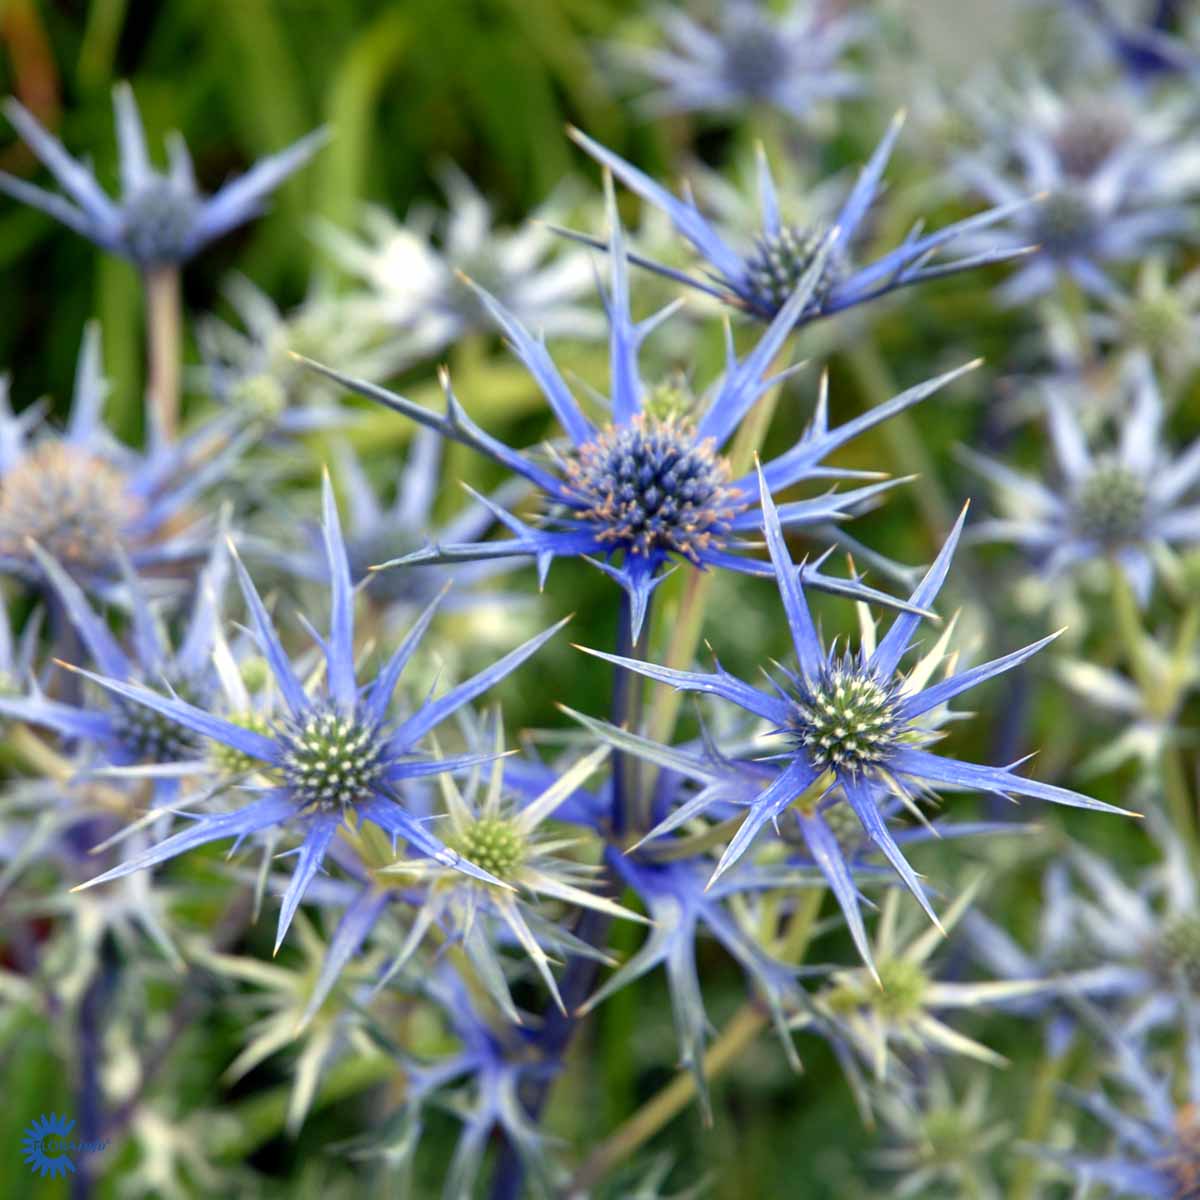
577	983
193	997
630	812
89	1102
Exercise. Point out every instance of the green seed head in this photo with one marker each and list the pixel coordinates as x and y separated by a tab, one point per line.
260	396
1110	504
229	761
845	826
1177	951
255	673
904	987
493	844
846	720
669	399
1160	323
332	759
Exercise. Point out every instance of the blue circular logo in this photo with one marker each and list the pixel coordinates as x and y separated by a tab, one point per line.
45	1146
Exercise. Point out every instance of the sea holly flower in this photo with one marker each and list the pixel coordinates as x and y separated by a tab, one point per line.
377	531
123	733
249	366
506	840
411	272
333	758
1116	504
901	1005
1158	316
1146	698
160	218
790	60
1110	178
762	278
1145	938
1063	958
682	903
650	484
852	720
1152	1118
722	783
939	1139
481	1080
88	500
281	1014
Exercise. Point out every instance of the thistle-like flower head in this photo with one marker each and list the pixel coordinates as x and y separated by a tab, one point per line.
941	1137
789	61
1111	173
161	217
762	277
856	722
489	827
900	1005
334	756
649	483
88	501
411	274
121	733
249	366
1151	1114
1109	504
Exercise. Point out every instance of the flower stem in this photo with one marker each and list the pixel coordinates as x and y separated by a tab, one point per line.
744	1026
164	338
89	1102
630	810
1041	1109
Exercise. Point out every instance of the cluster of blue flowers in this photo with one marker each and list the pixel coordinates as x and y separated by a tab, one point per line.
346	760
